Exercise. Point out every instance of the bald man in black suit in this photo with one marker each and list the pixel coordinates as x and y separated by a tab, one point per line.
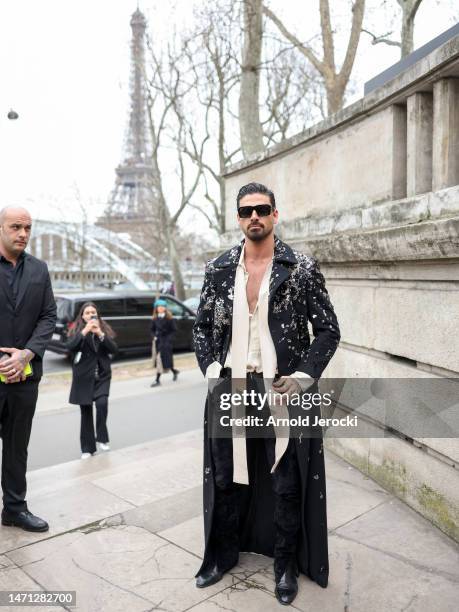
28	319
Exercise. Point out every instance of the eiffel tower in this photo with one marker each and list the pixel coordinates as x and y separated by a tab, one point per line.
131	201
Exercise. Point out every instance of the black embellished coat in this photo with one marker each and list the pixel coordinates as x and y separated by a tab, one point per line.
297	294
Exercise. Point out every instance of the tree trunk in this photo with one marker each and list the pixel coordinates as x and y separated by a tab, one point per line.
249	112
164	218
176	270
335	96
409	10
221	156
407	35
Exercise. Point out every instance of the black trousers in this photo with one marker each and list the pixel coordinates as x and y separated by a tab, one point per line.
17	407
287	504
87	437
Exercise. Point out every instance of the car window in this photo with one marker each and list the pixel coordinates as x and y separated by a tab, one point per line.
176	309
142	306
110	308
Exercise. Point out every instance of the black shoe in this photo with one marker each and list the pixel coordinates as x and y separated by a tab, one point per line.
26	520
156	383
175	374
209	577
287	585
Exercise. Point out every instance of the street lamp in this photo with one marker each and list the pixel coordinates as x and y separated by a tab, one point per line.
12	115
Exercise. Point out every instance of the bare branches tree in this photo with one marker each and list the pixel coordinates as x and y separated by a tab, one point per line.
285	84
215	71
169	128
199	107
335	81
409	9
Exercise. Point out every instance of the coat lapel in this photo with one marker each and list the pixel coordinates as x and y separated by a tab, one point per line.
225	275
284	259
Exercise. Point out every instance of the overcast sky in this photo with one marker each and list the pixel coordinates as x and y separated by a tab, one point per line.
64	66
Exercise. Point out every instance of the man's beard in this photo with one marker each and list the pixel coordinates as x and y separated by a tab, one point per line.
259	235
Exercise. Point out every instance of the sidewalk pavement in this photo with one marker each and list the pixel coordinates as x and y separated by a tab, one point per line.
126	533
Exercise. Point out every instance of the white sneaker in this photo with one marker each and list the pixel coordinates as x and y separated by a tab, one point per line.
85	455
104	447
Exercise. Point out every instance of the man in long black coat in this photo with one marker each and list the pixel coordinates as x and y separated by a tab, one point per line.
282	513
27	322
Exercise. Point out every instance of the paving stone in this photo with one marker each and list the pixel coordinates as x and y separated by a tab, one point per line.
363	579
188	535
358	500
248	596
12	578
398	530
80	504
162	476
117	569
167	512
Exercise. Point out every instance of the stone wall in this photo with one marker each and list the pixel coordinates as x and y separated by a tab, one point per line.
373	193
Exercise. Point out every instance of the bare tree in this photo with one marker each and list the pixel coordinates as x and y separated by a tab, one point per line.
194	88
335	81
249	114
285	84
409	9
215	73
166	88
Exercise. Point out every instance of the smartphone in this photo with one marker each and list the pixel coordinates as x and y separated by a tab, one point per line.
94	317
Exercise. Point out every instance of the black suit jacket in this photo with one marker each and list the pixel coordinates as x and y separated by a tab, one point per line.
297	294
31	323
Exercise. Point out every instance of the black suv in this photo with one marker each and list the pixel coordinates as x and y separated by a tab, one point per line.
128	313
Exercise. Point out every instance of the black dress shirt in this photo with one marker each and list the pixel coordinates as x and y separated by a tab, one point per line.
13	273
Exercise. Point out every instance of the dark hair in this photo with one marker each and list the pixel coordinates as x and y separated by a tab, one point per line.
79	323
255	188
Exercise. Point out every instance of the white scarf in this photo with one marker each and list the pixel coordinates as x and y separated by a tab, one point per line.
239	348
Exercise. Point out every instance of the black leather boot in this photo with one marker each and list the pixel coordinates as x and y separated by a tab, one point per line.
287	583
208	577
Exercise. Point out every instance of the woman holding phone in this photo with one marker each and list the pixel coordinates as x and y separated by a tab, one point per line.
90	343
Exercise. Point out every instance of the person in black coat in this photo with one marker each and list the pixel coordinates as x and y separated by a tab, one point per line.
90	344
163	328
279	509
27	323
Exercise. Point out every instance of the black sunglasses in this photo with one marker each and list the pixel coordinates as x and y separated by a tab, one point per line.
262	210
